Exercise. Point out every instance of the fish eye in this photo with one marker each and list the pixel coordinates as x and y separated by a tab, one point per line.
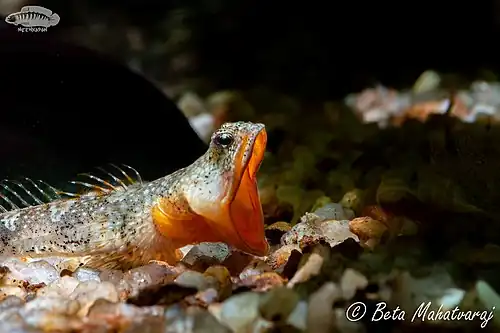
11	18
223	139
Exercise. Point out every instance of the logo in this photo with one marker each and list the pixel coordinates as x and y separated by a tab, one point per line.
33	19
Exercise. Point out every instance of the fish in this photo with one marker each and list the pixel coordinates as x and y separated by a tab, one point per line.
215	199
67	108
33	16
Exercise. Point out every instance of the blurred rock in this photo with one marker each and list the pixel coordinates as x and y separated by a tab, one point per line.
239	312
320	315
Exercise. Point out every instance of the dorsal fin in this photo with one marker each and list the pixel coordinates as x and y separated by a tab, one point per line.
24	193
106	180
28	192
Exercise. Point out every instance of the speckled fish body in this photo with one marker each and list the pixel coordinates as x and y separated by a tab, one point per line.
118	223
214	199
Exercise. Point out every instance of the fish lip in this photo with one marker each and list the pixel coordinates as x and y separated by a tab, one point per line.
259	133
257	157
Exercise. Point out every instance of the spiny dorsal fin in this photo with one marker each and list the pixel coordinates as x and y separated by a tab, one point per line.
28	192
107	181
25	193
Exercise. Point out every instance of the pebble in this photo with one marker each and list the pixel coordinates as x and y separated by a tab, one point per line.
298	317
278	304
88	292
240	311
193	279
320	315
35	272
218	252
83	274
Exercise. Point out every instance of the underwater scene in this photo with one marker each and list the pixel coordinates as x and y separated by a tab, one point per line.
248	167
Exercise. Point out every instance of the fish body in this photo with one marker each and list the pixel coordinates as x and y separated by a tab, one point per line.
33	16
215	199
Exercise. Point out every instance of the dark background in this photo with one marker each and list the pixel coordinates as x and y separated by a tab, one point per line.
320	49
325	48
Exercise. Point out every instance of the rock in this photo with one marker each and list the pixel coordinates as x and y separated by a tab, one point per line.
222	279
110	275
320	315
204	298
35	272
193	279
60	288
240	311
277	304
333	211
193	320
67	307
369	231
275	231
298	317
489	299
162	295
255	267
279	258
88	292
83	274
211	252
262	282
311	268
409	292
313	229
237	262
51	322
9	291
351	282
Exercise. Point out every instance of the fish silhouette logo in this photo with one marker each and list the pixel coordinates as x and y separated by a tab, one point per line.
33	17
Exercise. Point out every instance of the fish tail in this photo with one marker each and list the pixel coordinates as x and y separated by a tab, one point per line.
54	19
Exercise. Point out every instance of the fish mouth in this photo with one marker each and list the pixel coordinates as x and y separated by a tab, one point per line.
244	208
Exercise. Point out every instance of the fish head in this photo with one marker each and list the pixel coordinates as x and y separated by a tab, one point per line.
11	18
228	198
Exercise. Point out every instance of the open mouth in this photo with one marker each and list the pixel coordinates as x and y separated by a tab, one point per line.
245	209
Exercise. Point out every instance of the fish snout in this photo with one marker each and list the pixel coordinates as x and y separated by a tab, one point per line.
10	19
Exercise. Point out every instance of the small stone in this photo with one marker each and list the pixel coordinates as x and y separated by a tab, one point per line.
52	322
311	268
298	317
88	292
193	279
320	315
240	311
216	252
351	282
279	258
192	319
334	211
86	274
222	278
9	291
43	272
263	282
368	230
53	305
278	304
60	288
255	267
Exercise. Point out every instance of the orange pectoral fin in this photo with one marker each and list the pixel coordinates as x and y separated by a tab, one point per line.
179	225
247	218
